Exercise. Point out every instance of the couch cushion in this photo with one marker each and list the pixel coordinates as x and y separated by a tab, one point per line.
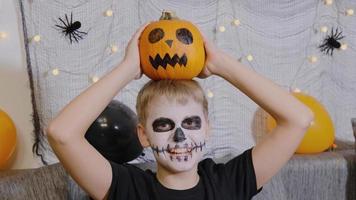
42	183
48	182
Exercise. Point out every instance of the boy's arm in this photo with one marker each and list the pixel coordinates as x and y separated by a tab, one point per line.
66	131
293	118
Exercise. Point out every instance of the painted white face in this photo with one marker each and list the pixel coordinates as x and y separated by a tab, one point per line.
177	133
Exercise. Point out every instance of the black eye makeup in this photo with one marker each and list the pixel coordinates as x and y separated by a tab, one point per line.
163	125
192	123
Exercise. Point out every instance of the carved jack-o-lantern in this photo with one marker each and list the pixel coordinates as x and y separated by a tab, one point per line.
171	49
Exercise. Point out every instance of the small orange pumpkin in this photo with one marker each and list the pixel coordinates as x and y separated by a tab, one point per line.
171	49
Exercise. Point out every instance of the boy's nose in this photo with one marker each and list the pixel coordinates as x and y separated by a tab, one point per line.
179	135
169	42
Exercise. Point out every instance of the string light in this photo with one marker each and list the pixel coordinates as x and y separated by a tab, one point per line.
313	59
55	72
3	35
236	22
222	29
349	12
109	13
249	57
210	94
36	38
343	46
324	29
328	2
94	79
114	48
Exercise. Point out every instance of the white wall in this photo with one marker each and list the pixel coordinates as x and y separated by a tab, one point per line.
14	86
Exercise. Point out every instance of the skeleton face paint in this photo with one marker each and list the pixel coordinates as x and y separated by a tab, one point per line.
177	133
192	123
163	124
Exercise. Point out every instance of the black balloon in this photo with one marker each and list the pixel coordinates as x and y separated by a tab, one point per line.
114	133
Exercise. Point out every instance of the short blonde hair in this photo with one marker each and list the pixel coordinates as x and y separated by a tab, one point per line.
178	90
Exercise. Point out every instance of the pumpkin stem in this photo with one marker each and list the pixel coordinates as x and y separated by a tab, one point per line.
168	15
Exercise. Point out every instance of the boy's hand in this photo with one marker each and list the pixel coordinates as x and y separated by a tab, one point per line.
212	56
132	55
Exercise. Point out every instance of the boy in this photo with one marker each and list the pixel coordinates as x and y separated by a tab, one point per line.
173	122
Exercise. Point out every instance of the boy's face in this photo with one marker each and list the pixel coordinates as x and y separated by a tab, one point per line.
177	133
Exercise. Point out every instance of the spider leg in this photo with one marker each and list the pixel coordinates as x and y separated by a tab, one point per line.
62	27
71	17
70	38
337	34
332	31
67	20
324	48
332	51
76	39
62	22
76	34
81	32
339	38
326	51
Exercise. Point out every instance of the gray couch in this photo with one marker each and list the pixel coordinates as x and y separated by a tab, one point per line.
328	175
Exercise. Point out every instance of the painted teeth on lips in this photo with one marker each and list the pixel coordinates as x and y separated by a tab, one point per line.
180	150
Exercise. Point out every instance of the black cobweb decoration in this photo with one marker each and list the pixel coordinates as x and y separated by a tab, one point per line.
331	42
70	29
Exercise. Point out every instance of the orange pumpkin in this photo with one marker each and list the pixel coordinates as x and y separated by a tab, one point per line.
171	49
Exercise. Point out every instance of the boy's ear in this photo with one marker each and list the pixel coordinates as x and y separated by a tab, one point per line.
142	136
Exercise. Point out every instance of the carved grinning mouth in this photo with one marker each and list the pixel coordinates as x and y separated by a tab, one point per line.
167	59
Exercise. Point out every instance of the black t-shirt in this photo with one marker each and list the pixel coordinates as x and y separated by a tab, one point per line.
233	180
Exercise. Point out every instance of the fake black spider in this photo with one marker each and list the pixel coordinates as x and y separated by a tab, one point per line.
331	42
71	29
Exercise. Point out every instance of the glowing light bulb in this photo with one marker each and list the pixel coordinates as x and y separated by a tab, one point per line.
210	94
109	13
328	2
3	35
236	22
249	57
114	48
36	38
324	29
94	79
349	12
343	46
222	29
55	72
313	59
